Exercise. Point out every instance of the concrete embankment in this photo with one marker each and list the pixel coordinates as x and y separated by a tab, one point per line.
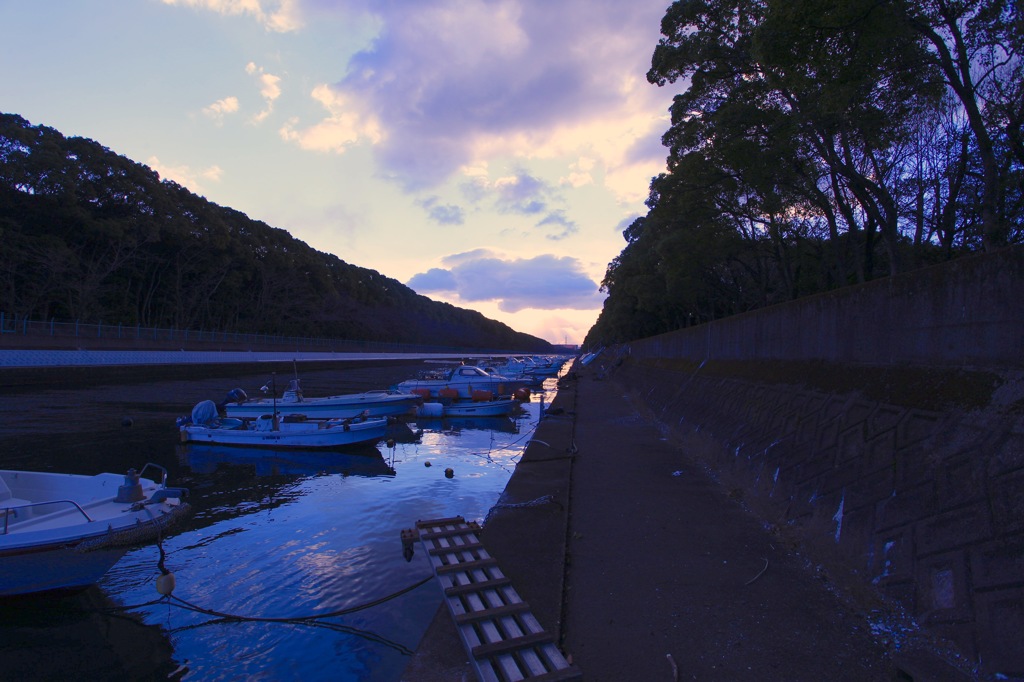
881	423
643	565
867	443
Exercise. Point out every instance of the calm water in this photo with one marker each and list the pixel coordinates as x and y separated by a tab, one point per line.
281	536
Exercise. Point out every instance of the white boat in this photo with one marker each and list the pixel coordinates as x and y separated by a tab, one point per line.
65	531
275	431
292	401
464	381
469	408
529	368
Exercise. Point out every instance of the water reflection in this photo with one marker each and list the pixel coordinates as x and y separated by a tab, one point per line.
503	423
275	535
206	458
80	637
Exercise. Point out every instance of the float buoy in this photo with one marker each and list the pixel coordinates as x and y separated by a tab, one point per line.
165	584
431	410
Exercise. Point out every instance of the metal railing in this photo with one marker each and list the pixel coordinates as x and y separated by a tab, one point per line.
100	335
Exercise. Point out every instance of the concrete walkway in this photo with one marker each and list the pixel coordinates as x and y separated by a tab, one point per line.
645	568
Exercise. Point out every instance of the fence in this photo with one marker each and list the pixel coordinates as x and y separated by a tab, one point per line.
53	334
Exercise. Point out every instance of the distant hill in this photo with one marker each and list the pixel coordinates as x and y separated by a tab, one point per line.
93	236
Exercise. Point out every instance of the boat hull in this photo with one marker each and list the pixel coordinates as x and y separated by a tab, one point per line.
61	532
55	569
372	404
303	435
364	461
498	386
489	408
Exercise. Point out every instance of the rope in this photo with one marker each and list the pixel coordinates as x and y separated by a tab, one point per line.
337	627
172	600
178	601
543	499
315	620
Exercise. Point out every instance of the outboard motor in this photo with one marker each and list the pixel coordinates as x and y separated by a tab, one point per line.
235	395
205	413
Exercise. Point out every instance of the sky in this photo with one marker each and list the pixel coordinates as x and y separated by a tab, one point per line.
487	153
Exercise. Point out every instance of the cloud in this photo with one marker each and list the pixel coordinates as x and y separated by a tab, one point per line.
544	282
558	219
269	89
186	176
626	222
451	84
279	16
521	194
218	109
446	214
579	173
434	280
344	127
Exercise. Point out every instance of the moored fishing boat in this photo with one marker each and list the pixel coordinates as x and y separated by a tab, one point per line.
461	382
274	431
470	408
380	403
65	531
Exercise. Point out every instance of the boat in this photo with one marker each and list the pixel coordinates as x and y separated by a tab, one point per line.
503	424
63	532
276	431
292	401
530	368
366	460
495	407
461	382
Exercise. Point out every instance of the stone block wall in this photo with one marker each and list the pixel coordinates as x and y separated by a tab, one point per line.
911	470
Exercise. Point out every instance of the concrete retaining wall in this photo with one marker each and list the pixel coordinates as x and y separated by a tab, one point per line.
882	422
964	313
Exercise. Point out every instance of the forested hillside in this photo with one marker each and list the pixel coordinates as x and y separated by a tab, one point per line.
90	235
816	144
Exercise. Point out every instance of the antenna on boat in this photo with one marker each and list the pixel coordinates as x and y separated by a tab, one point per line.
273	389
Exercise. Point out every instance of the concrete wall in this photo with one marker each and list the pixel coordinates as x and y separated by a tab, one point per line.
968	312
882	422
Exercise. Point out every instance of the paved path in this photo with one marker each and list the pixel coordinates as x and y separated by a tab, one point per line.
664	575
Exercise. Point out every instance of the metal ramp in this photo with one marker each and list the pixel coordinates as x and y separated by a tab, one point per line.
502	637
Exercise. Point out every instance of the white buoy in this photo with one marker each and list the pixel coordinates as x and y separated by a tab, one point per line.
431	410
165	584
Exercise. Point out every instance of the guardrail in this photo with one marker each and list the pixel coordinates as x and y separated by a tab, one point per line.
78	334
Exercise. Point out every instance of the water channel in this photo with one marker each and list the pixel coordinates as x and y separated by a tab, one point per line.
274	539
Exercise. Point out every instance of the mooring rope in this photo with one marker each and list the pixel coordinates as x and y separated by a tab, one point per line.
172	600
178	601
313	620
543	499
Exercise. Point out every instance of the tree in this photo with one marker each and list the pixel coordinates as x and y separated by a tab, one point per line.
977	47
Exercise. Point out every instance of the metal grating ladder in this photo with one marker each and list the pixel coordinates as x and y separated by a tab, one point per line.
504	640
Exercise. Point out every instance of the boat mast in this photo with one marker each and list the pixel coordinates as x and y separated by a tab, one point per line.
273	394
